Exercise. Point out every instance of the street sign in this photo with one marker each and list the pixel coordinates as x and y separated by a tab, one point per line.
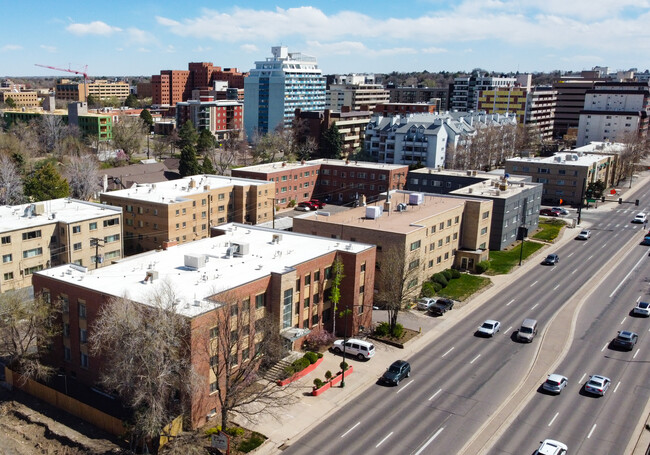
221	441
591	200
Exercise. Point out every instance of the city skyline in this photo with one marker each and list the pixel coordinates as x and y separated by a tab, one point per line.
141	39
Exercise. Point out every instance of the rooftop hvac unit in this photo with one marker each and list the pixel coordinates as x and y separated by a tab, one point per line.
401	207
416	198
373	212
242	249
276	238
194	261
39	209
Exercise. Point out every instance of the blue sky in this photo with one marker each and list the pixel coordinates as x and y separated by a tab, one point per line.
128	38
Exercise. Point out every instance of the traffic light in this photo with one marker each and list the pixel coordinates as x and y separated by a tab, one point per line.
636	202
620	200
602	199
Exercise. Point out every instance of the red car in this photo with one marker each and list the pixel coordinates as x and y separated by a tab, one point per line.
317	204
548	212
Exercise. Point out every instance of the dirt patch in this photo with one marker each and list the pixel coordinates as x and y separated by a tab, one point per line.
408	335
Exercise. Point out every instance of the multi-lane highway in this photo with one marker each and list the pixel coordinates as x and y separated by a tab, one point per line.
459	381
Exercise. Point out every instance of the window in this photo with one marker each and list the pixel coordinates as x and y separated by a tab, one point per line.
439	243
363	267
485	215
213	388
65	307
441	226
328	273
82	310
8	276
484	231
112	238
32	253
455	237
362	289
66	353
76	246
316	299
112	222
306	303
414	264
84	360
5	240
32	235
6	258
214	332
92	226
446	256
76	229
456	220
259	301
307	279
415	245
449	222
234	310
83	336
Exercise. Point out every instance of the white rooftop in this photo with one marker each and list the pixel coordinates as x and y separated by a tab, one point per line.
13	217
571	158
171	191
220	273
284	165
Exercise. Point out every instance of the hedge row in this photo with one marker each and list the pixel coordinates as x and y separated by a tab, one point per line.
303	362
439	281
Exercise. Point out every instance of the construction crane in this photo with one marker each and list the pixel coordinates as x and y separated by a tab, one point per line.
69	70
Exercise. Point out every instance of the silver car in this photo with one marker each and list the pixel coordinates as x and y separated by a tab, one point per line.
597	385
425	303
489	328
642	309
555	383
584	234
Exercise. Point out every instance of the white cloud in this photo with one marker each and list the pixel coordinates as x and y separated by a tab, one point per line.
250	48
92	28
48	48
201	49
10	47
141	37
434	50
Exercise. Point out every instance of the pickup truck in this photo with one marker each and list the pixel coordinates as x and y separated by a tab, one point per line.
441	306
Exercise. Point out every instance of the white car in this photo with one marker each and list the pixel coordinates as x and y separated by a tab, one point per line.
555	383
552	447
597	385
362	350
640	218
425	303
584	234
489	328
642	309
561	210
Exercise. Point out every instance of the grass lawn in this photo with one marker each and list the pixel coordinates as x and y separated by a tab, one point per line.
463	287
549	230
502	261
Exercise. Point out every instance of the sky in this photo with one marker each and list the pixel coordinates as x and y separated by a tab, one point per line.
140	38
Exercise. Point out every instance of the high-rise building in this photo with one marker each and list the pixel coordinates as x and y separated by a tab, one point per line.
540	110
571	99
464	92
279	85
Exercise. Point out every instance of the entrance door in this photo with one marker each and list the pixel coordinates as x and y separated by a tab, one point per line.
463	263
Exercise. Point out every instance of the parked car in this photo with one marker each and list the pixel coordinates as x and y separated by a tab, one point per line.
552	447
304	206
551	259
360	349
399	370
555	383
489	328
640	218
560	210
597	385
316	203
548	212
441	307
625	340
584	234
642	309
425	303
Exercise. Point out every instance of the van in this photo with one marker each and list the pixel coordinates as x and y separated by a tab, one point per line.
528	330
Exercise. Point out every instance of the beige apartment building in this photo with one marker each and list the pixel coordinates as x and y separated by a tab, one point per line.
184	210
21	99
38	236
431	232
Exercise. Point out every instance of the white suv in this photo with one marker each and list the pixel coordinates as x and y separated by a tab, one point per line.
356	348
552	447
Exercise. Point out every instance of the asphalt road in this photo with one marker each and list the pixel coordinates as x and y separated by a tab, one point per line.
460	380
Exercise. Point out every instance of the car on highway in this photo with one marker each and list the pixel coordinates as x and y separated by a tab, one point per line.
489	328
424	303
360	349
552	447
441	307
641	309
304	206
646	239
398	370
555	383
597	385
548	212
551	259
584	234
640	218
625	340
561	211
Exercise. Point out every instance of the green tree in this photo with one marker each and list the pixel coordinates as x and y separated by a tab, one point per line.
188	164
207	167
46	183
335	290
187	135
93	102
9	101
146	117
331	144
205	141
131	100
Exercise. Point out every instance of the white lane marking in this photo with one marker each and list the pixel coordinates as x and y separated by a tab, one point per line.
388	436
616	388
475	358
507	330
426	444
592	430
590	257
583	376
623	320
508	304
628	274
571	254
452	348
634	356
637	299
534	306
534	283
574	271
553	419
603	246
617	225
434	395
604	347
555	288
355	425
405	386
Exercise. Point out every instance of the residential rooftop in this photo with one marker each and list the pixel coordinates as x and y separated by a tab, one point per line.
496	188
181	266
571	158
67	210
284	165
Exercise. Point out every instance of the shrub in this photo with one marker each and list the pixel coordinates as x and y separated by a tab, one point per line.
289	371
383	329
235	431
428	289
300	364
437	287
398	330
482	267
252	443
317	340
447	274
440	278
320	355
328	375
213	430
318	383
311	356
344	366
292	203
454	273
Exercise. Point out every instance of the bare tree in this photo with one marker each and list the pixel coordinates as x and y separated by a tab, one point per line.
27	326
129	133
146	348
52	130
634	147
231	152
242	342
397	280
11	184
82	173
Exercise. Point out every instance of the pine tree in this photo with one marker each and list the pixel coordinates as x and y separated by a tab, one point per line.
207	167
46	183
146	117
188	164
187	135
331	143
205	141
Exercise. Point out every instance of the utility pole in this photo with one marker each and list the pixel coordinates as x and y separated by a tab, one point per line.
94	241
582	198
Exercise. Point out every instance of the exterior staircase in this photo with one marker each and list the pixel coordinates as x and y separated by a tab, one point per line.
276	372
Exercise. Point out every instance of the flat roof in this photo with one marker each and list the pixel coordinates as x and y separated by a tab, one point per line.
491	189
221	272
403	222
580	159
284	165
14	217
171	191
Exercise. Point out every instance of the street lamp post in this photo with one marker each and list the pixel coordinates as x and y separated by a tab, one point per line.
345	313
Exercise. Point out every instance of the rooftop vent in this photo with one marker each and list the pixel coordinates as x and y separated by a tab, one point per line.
416	198
194	261
373	212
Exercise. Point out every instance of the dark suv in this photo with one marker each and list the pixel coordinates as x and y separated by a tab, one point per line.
441	306
625	340
399	370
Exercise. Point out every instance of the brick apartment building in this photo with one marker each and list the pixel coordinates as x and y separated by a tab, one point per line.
224	119
336	181
37	236
285	276
351	125
184	210
388	109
